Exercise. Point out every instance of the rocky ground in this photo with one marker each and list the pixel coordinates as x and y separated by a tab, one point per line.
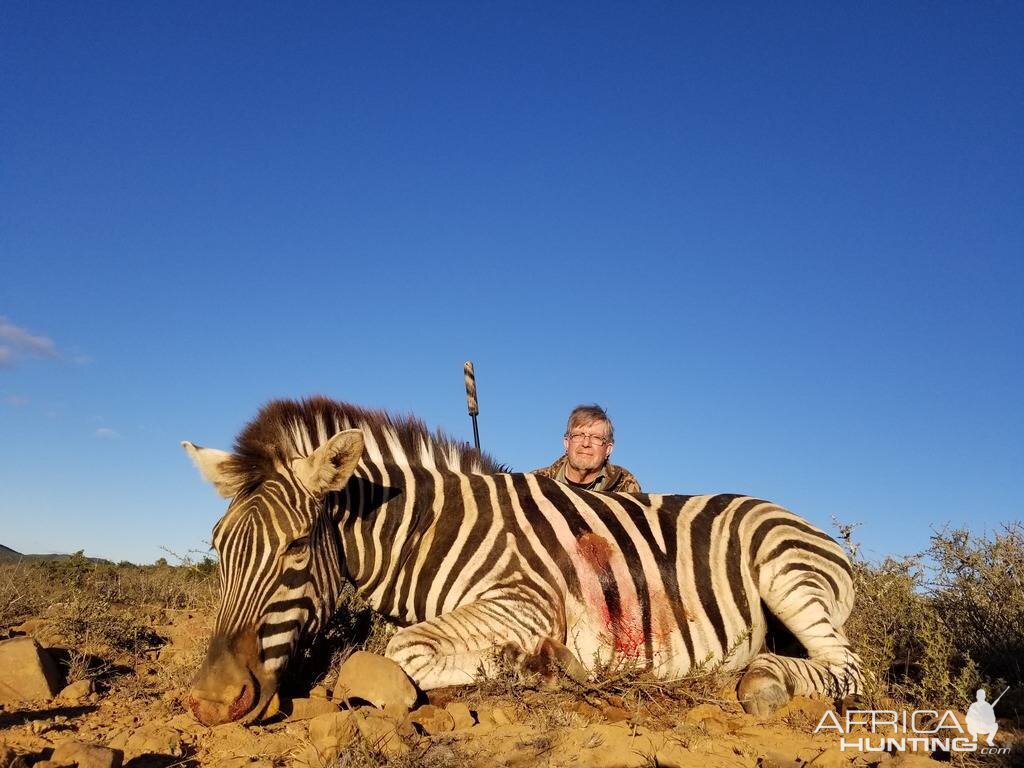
127	710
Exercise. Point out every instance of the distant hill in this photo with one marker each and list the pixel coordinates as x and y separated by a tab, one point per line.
8	555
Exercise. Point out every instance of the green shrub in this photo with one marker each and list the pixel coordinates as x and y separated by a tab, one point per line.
933	627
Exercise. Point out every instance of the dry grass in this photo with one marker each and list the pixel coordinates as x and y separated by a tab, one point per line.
33	588
934	627
930	628
103	615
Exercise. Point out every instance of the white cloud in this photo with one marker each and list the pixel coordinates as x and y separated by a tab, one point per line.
17	343
106	433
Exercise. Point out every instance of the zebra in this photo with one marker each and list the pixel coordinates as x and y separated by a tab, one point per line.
480	566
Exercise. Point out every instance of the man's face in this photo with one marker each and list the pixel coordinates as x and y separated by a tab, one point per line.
586	446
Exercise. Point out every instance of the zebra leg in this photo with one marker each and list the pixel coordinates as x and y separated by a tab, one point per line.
805	602
456	647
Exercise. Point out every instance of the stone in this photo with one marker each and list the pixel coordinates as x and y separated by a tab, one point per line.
833	757
715	726
381	736
186	723
375	679
36	626
695	714
153	739
77	753
615	714
331	733
433	719
496	716
803	708
777	759
307	709
244	761
76	692
27	672
461	715
587	711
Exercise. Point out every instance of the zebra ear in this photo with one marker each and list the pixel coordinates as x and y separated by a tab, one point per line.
211	463
331	465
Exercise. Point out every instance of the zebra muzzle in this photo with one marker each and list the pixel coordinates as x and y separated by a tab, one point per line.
213	712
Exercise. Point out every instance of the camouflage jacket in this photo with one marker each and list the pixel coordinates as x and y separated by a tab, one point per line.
612	478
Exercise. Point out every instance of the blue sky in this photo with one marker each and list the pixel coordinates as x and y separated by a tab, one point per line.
781	244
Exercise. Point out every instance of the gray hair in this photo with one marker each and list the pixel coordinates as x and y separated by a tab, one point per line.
584	414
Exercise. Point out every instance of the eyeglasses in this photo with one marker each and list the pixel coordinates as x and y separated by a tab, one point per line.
579	437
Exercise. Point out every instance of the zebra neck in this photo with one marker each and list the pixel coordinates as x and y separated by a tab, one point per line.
389	517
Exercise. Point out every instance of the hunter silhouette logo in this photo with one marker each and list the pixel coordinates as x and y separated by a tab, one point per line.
981	717
922	729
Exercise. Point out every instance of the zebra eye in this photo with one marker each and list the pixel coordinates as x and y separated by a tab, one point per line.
297	546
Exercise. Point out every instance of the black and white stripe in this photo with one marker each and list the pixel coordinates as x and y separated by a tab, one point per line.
472	562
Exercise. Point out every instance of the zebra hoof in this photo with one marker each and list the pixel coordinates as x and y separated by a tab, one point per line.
760	694
550	662
510	656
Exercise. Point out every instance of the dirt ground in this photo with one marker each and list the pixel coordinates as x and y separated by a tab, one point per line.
136	706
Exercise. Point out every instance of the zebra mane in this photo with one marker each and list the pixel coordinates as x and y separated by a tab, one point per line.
284	429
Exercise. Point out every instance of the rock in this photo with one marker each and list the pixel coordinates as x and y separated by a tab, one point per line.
615	714
186	723
775	759
715	726
331	733
433	719
36	626
153	739
695	714
27	672
912	761
803	708
77	753
461	715
496	716
43	631
588	711
375	679
76	692
243	761
306	709
833	757
381	736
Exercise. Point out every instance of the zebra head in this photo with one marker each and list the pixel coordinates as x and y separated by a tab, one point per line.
279	557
